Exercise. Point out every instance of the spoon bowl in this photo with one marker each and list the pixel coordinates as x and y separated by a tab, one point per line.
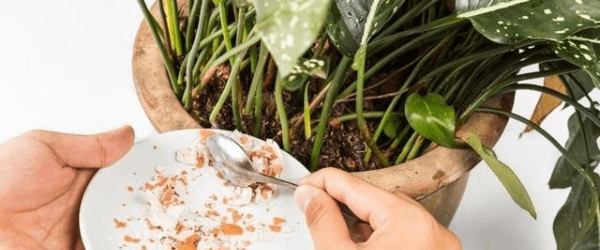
235	164
237	168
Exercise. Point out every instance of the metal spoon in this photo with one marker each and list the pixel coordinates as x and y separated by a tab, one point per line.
237	168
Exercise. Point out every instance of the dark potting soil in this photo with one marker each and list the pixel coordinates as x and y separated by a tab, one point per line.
343	145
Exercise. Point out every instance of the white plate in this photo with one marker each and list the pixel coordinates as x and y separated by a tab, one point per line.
106	198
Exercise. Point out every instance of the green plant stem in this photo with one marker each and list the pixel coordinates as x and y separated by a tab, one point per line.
473	77
258	110
181	76
399	138
410	14
503	68
415	43
258	77
237	88
205	69
586	176
406	149
306	114
194	7
574	103
187	95
352	116
232	52
404	86
230	82
496	50
235	104
225	28
336	84
241	23
443	24
283	120
163	52
320	46
493	89
360	119
173	24
415	148
366	115
167	33
216	52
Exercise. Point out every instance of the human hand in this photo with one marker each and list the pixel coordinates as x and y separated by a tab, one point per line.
42	179
397	222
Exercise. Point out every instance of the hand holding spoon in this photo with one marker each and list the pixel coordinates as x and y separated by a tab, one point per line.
237	167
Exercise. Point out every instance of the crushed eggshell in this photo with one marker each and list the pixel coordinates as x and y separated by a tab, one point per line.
220	221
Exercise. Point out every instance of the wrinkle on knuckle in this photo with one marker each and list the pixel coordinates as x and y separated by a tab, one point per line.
315	213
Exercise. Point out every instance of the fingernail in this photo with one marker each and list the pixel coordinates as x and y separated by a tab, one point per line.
303	195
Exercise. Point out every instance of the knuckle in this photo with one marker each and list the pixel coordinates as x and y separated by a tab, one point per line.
36	133
315	213
101	149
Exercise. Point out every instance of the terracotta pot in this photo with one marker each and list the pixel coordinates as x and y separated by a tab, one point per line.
437	179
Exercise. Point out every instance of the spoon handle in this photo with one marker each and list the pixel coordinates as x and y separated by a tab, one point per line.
279	182
346	212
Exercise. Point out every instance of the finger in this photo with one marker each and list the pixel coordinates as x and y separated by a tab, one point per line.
359	196
324	219
87	151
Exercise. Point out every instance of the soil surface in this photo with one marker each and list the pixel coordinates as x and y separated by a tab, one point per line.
343	145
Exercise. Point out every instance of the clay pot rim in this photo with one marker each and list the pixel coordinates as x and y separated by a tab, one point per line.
444	165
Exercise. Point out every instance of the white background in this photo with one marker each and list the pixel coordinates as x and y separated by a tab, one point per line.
66	66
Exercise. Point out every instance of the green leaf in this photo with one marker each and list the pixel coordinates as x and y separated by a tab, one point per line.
432	118
289	27
575	225
507	177
507	21
564	173
305	68
347	18
582	50
391	126
573	80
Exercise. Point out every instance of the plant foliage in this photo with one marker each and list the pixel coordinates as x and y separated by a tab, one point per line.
289	28
436	62
507	177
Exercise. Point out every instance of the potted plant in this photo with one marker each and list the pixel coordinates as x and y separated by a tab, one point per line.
380	87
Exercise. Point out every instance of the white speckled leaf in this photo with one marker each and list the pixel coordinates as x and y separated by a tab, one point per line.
289	28
506	21
347	18
582	50
305	68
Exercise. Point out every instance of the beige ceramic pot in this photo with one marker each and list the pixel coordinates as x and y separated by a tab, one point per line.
437	179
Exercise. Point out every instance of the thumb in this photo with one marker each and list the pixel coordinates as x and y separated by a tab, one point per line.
87	151
324	219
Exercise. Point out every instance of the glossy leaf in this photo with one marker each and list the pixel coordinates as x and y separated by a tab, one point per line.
564	173
582	49
507	177
289	27
391	126
347	18
432	118
510	20
575	225
305	68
